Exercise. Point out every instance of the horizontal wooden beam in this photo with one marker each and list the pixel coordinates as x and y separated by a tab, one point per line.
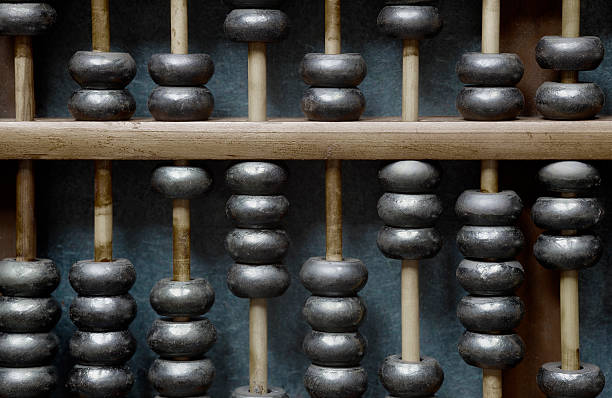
432	138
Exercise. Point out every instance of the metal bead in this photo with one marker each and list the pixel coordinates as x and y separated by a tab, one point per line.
567	213
256	25
334	349
569	177
256	178
34	382
273	392
500	243
565	253
569	53
587	382
26	19
102	348
333	278
409	21
490	103
569	101
28	315
409	244
181	182
258	281
409	210
176	299
191	339
323	382
181	378
100	381
251	211
491	351
333	70
27	349
490	278
102	70
334	314
102	105
102	314
93	278
410	176
490	314
181	69
35	278
328	104
411	379
488	209
490	69
181	104
257	246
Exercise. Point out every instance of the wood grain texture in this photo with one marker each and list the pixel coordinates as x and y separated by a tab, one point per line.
411	333
333	210
103	211
100	25
24	79
181	239
25	215
179	27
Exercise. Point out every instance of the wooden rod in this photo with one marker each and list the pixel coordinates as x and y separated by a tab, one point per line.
100	25
570	27
181	236
258	341
410	311
103	211
26	223
491	12
489	176
333	210
492	383
570	321
333	35
24	79
257	82
410	86
179	27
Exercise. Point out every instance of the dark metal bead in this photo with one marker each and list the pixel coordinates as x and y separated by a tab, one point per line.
569	177
35	278
491	351
334	314
102	105
102	348
96	278
490	278
488	209
567	213
103	314
333	278
181	104
569	101
409	244
181	182
327	104
324	382
405	379
28	315
190	339
564	253
490	69
257	246
251	211
273	392
334	349
176	299
409	210
410	21
256	25
100	381
26	19
490	314
490	103
410	176
181	378
102	70
569	53
587	382
19	350
181	69
256	178
35	382
258	281
499	243
333	70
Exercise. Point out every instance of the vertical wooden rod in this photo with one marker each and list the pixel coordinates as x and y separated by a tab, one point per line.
570	27
410	81
489	176
491	383
24	79
103	211
100	25
570	321
491	12
333	35
181	236
410	311
333	210
179	27
257	82
258	341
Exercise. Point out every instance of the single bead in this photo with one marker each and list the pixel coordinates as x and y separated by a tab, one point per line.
257	246
102	105
569	101
181	182
102	348
258	281
325	382
333	70
251	211
490	314
406	379
100	381
102	70
328	104
181	69
181	378
495	243
27	349
97	278
491	351
569	53
35	278
28	315
492	70
256	25
36	382
409	210
26	19
488	209
102	314
172	339
333	278
569	177
410	177
181	104
334	349
409	244
490	278
564	253
567	213
334	314
256	178
409	21
177	299
490	103
273	392
586	382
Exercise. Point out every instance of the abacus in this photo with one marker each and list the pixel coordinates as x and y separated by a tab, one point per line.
398	322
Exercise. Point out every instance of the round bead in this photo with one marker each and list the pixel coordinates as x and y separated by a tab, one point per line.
102	70
488	209
490	278
333	278
35	278
251	211
569	101
256	25
408	210
28	315
567	213
490	69
181	104
324	382
334	314
491	351
176	299
333	70
27	349
105	348
327	104
35	382
490	314
191	339
26	19
410	21
569	53
587	382
273	392
334	349
181	182
490	242
101	314
411	379
490	103
256	178
409	244
181	69
102	105
257	246
258	281
410	176
569	177
565	253
182	378
93	278
100	382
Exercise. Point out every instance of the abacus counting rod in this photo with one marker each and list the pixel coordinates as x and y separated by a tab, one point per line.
100	25
257	82
491	14
181	237
570	27
410	81
410	311
179	27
